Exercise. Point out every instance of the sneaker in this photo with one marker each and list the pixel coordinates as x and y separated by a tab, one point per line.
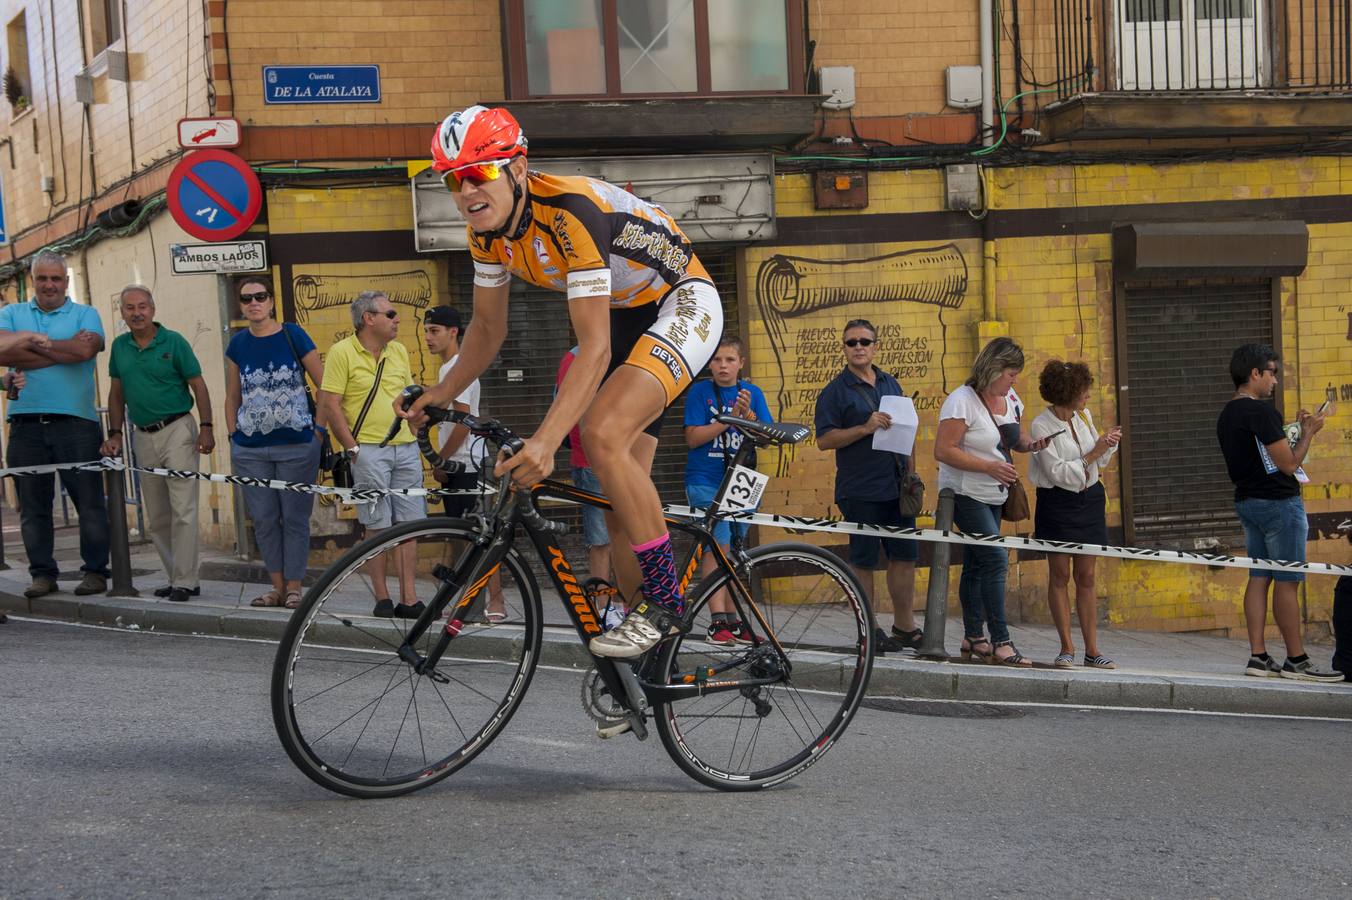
1260	668
886	643
384	609
168	588
612	618
41	587
641	630
744	635
1305	670
721	635
612	728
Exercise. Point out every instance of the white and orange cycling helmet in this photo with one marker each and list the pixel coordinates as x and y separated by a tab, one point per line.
475	144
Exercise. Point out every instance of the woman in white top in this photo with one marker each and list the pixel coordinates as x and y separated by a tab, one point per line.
978	425
1071	501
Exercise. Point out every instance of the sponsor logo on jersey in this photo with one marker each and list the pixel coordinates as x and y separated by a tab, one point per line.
507	249
656	244
561	232
589	286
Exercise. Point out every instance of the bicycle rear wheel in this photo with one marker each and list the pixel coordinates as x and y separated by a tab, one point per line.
354	716
762	734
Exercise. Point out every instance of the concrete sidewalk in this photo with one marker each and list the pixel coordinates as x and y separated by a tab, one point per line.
1158	671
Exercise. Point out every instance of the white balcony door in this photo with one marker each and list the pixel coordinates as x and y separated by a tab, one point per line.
1171	45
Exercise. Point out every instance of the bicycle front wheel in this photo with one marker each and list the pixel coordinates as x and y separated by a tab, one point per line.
352	712
790	709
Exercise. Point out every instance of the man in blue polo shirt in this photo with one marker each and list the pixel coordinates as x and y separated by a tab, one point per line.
54	421
868	481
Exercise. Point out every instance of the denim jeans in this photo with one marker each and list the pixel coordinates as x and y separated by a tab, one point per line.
62	439
281	519
982	586
1274	529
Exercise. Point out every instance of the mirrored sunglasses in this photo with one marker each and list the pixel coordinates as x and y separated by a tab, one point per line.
477	173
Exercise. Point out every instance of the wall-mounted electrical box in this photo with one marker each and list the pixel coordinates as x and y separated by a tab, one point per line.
962	186
964	86
838	83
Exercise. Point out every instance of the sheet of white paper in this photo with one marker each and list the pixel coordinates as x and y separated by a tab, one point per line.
900	438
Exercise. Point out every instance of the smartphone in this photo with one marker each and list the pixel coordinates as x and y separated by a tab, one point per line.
1323	407
1048	437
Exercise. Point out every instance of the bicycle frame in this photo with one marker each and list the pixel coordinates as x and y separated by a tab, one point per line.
497	533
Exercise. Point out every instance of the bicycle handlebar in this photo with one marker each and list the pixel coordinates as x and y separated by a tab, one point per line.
492	431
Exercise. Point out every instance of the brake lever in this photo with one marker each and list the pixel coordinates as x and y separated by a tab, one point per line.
406	398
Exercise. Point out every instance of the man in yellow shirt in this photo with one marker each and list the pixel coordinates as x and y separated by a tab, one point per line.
362	376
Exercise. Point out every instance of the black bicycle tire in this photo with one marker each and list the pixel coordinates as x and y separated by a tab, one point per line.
708	774
282	713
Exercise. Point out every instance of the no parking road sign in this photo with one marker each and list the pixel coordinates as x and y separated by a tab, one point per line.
214	195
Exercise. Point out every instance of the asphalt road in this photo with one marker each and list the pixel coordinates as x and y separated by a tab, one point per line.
146	765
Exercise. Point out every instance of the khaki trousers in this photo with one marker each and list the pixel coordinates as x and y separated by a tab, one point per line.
171	503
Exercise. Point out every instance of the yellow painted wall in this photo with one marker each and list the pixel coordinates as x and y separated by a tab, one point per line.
1045	287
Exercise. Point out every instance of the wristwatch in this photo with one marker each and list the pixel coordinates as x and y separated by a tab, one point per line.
352	451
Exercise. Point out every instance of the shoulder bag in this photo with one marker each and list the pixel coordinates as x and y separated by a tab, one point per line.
911	501
342	465
1016	507
328	458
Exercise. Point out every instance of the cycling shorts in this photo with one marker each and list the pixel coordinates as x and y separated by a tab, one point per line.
673	338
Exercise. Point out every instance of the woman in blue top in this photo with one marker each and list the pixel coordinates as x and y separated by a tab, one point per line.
273	434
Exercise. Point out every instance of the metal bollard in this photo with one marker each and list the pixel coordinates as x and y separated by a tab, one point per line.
118	539
936	599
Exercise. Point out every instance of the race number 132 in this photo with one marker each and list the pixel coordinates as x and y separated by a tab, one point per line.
745	490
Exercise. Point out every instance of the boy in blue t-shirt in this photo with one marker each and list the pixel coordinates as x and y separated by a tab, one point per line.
712	446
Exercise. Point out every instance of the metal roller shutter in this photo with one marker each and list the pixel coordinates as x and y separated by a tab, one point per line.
1179	338
520	386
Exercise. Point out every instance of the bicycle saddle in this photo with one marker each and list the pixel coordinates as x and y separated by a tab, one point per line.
767	433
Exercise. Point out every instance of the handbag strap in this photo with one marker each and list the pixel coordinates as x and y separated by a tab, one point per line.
366	407
1000	435
300	366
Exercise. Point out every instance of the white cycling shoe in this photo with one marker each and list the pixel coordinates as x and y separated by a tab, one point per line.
646	625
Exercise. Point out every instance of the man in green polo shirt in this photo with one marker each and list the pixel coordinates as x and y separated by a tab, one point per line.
152	370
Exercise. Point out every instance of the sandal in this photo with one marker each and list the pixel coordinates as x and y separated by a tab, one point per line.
292	599
1014	659
494	617
969	649
909	639
1099	661
271	598
1064	661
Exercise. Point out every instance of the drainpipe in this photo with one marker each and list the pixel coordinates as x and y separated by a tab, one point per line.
986	16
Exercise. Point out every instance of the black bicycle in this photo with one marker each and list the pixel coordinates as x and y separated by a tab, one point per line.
379	707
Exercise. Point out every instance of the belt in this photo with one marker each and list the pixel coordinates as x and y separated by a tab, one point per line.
161	424
41	418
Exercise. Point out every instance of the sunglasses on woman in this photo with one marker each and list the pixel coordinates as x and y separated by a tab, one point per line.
254	298
477	173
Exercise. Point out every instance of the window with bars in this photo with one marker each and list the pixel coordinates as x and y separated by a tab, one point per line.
1176	343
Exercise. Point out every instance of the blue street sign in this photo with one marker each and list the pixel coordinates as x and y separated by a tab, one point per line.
214	195
321	84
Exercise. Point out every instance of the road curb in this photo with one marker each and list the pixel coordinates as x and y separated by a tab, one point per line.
905	677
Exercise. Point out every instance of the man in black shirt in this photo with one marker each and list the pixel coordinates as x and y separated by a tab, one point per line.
1265	469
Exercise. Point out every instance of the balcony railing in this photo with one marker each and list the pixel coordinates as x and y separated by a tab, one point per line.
1183	45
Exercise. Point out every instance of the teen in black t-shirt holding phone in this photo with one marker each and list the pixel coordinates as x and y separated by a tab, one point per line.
1265	469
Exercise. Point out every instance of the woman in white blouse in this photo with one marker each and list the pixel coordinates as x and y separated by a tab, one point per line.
1071	501
978	426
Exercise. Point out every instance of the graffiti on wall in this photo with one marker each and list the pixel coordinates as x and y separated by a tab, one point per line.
798	299
323	302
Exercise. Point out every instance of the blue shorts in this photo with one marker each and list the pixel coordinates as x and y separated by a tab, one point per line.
864	548
1274	529
701	496
593	519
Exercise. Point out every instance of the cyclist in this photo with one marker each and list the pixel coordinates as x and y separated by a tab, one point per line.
646	316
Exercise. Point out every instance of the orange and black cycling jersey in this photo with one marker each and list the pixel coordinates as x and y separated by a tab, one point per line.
587	237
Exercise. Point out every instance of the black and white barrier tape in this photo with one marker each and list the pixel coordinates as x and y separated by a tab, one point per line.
836	526
346	495
788	523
